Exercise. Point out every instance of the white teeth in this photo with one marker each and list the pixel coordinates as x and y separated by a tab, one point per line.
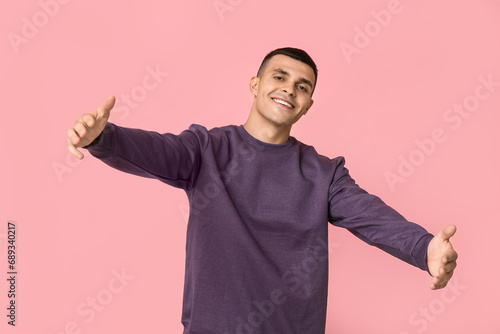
283	102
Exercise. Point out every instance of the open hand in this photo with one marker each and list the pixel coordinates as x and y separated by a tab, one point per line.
441	257
88	127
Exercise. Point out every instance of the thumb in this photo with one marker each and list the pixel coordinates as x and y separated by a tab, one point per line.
105	108
448	232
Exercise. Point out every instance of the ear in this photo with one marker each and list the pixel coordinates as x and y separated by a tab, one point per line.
254	85
310	105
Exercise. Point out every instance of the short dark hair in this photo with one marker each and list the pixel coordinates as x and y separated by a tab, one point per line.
294	53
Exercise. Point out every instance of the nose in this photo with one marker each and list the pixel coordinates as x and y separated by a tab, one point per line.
289	89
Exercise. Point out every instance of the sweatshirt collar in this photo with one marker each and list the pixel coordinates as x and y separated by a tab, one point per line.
263	145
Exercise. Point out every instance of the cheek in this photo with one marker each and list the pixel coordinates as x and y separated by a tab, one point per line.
264	94
306	103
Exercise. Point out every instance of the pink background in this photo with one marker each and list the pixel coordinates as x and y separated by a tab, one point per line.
81	223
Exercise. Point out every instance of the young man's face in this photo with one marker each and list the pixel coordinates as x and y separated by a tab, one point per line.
284	80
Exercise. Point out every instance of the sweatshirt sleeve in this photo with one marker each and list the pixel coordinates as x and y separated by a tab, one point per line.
373	221
172	159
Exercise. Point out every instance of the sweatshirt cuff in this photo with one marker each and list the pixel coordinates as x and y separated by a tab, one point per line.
419	252
103	145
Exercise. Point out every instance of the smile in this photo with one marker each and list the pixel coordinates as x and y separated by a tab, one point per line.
283	103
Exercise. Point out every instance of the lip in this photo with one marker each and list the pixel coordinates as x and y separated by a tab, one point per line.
282	99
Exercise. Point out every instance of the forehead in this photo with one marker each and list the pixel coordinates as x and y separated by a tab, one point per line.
292	66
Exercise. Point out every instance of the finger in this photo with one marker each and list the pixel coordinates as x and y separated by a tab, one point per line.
449	267
436	284
82	125
440	281
73	150
448	232
72	136
450	256
105	108
88	120
445	279
443	271
80	129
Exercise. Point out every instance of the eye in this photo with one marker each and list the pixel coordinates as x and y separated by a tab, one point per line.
303	88
278	77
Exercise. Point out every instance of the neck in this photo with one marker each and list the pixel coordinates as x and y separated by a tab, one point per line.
265	131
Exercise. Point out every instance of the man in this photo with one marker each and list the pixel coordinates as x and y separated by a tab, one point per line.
257	254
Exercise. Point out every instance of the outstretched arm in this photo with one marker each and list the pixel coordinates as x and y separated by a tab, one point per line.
373	221
441	257
172	159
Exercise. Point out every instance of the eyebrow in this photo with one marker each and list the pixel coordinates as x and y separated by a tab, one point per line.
303	80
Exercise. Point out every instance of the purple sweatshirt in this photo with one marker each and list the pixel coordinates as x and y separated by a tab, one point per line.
257	236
